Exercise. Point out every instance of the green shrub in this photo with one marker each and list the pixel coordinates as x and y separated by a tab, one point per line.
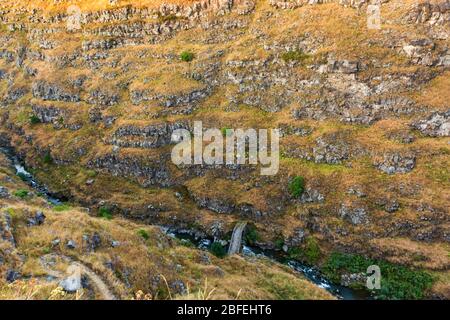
48	158
338	263
251	235
397	282
297	186
218	250
105	213
187	56
295	253
21	193
34	119
312	251
279	243
144	234
295	55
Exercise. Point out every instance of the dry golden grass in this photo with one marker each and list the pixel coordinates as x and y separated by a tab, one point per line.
87	5
140	258
165	80
405	251
442	285
436	94
29	290
344	35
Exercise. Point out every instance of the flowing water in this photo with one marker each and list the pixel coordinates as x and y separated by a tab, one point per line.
27	177
311	273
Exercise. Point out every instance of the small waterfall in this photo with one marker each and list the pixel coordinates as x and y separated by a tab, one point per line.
236	238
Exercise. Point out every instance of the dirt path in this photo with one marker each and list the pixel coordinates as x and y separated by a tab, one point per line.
102	287
79	268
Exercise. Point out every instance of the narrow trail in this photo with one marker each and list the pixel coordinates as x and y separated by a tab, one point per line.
102	287
236	238
80	268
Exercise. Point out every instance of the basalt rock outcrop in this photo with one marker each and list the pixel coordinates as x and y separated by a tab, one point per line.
436	125
396	163
53	92
153	136
363	115
148	174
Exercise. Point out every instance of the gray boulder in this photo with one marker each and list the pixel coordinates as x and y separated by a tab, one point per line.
73	282
12	275
351	279
92	242
354	215
71	244
436	125
311	196
38	219
115	243
4	193
396	163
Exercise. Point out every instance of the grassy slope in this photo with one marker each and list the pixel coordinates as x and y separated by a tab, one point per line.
343	34
139	260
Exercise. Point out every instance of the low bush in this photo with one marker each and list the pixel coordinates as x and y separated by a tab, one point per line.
397	282
48	158
144	234
251	235
105	213
279	243
21	193
187	56
218	250
310	253
34	119
297	186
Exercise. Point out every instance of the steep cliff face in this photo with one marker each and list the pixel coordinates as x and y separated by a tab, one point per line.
90	96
